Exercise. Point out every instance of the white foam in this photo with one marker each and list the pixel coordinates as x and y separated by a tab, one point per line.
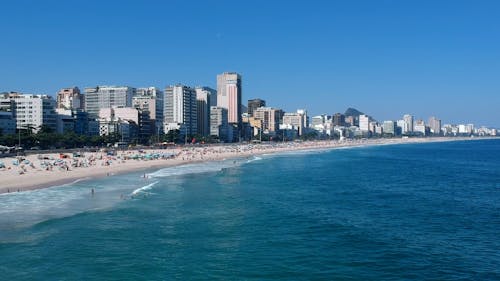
144	188
255	158
198	168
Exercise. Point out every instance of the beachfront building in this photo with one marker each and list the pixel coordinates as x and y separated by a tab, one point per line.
149	101
271	119
219	126
408	124
294	121
31	111
120	120
100	97
180	110
419	128
204	96
64	121
389	128
7	123
7	115
253	104
364	123
70	98
321	124
338	119
229	97
435	125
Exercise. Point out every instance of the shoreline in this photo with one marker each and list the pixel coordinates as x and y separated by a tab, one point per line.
102	165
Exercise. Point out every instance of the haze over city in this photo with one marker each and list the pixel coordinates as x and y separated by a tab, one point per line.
385	58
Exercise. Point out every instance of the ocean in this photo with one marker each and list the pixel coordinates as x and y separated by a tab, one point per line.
426	211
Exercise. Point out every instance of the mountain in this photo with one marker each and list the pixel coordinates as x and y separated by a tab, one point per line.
352	112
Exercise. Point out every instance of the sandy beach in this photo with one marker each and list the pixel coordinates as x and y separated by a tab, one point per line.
46	170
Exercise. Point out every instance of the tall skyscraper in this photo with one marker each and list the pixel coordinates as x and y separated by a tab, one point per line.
107	97
229	96
204	96
70	98
254	104
180	109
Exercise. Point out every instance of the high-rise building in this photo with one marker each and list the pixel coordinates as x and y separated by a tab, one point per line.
70	98
270	117
107	97
32	111
408	126
338	119
364	123
229	96
218	123
295	121
389	127
254	104
180	110
204	96
149	101
303	112
435	125
420	128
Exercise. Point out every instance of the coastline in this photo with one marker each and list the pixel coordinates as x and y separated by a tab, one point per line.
35	177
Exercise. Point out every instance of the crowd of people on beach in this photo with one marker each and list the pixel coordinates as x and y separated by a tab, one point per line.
108	161
109	157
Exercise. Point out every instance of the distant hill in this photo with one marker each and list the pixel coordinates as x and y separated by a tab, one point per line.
352	112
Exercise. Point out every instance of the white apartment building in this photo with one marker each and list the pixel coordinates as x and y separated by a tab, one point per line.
364	123
180	109
107	97
32	111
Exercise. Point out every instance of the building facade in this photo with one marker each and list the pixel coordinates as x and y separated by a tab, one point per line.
364	123
435	126
254	104
70	98
180	110
107	97
229	96
408	124
271	118
204	97
31	111
218	123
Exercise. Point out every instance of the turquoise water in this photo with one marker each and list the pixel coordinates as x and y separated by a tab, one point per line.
398	212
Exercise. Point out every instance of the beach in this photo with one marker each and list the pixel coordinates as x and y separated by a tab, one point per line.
46	170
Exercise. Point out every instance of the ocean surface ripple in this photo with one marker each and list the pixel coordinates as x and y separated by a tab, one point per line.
396	212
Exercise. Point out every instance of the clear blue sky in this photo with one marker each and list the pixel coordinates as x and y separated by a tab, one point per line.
385	58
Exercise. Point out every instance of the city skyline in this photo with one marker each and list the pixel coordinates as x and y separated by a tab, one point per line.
384	58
